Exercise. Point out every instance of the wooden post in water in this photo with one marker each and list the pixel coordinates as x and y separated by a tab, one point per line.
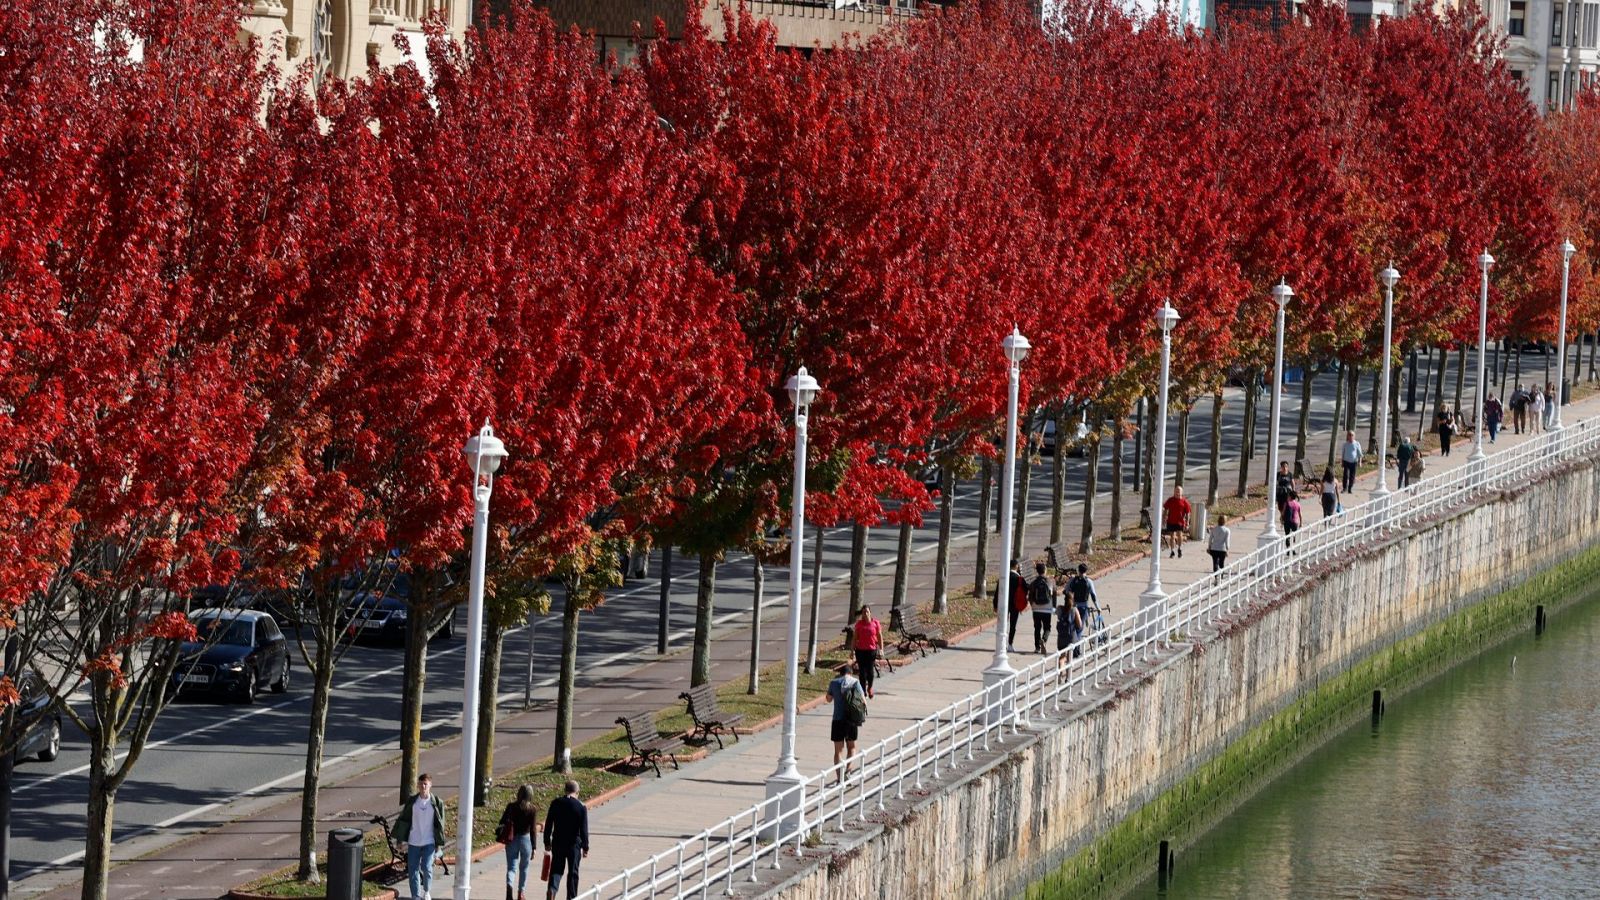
1164	865
1538	619
1377	706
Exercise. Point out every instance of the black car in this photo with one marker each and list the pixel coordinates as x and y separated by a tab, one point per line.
383	618
40	721
238	652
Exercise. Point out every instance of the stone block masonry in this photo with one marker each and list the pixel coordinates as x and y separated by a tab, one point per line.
1077	805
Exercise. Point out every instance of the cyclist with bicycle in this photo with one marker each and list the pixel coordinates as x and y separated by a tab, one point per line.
1084	600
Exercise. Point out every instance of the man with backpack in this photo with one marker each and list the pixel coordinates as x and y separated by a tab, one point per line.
849	712
1080	589
1042	600
1519	409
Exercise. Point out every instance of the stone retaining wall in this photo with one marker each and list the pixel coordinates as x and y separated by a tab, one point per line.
1078	809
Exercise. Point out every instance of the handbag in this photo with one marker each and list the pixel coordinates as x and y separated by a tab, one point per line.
544	867
506	833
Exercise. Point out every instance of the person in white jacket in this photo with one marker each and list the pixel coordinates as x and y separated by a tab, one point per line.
1217	543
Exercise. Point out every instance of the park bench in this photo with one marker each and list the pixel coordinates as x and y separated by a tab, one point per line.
646	743
1056	558
917	634
709	721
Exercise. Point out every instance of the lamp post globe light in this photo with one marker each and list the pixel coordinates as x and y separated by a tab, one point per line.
1389	277
999	676
1561	335
1154	596
786	786
1281	294
1478	453
484	453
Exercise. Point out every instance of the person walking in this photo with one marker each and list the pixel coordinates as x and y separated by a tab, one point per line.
1217	543
1403	455
1291	518
1080	588
1349	459
1552	399
1175	512
1536	404
566	839
517	822
1283	485
868	641
846	727
1042	600
1519	409
1330	492
1446	427
421	821
1493	415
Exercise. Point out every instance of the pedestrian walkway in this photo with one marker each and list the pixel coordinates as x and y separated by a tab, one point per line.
663	812
653	816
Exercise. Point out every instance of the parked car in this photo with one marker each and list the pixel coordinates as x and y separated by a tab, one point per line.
39	719
238	652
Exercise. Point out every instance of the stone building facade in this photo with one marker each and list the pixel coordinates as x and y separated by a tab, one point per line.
341	37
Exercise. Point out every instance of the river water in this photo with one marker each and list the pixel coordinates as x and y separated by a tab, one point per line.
1483	783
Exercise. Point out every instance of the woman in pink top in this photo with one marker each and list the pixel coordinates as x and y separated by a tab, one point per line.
868	640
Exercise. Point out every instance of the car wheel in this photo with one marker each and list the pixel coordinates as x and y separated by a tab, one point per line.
250	687
282	684
52	747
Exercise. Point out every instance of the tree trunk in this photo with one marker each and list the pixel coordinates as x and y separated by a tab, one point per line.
1352	396
102	804
1058	474
415	677
1148	464
1302	436
1372	412
1338	410
1392	438
902	575
494	642
1517	349
1427	389
566	685
1461	372
1182	463
1214	481
1250	404
1444	363
1502	358
316	735
1411	381
941	565
858	568
1494	362
1577	360
1116	479
816	600
1138	439
1545	354
980	565
663	604
1019	512
705	597
758	574
1091	484
1594	347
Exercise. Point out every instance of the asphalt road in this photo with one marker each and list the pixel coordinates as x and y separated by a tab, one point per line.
205	754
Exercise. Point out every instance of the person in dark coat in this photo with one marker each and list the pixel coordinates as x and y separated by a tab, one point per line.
566	839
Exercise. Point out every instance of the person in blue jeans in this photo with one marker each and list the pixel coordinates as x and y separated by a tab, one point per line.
421	824
566	837
522	817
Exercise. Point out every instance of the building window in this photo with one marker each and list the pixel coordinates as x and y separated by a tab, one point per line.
1591	24
1519	17
321	40
1555	91
1556	16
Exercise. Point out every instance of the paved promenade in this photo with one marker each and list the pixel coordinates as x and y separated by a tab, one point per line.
662	812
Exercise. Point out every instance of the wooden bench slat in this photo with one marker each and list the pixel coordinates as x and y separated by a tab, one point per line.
646	742
709	720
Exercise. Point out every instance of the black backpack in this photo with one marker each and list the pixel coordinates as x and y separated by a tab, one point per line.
1079	588
1039	593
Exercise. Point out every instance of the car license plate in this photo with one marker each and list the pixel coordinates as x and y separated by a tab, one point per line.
371	623
196	679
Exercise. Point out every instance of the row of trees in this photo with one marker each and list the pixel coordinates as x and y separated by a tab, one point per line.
247	326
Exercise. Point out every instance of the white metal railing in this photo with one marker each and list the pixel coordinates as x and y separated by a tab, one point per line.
732	851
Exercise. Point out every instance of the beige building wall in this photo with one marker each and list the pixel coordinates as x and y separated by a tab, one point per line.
342	37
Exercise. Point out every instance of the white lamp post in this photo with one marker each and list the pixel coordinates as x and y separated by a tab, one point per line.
999	675
1478	453
1153	596
785	786
1281	293
484	452
1561	336
1389	277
